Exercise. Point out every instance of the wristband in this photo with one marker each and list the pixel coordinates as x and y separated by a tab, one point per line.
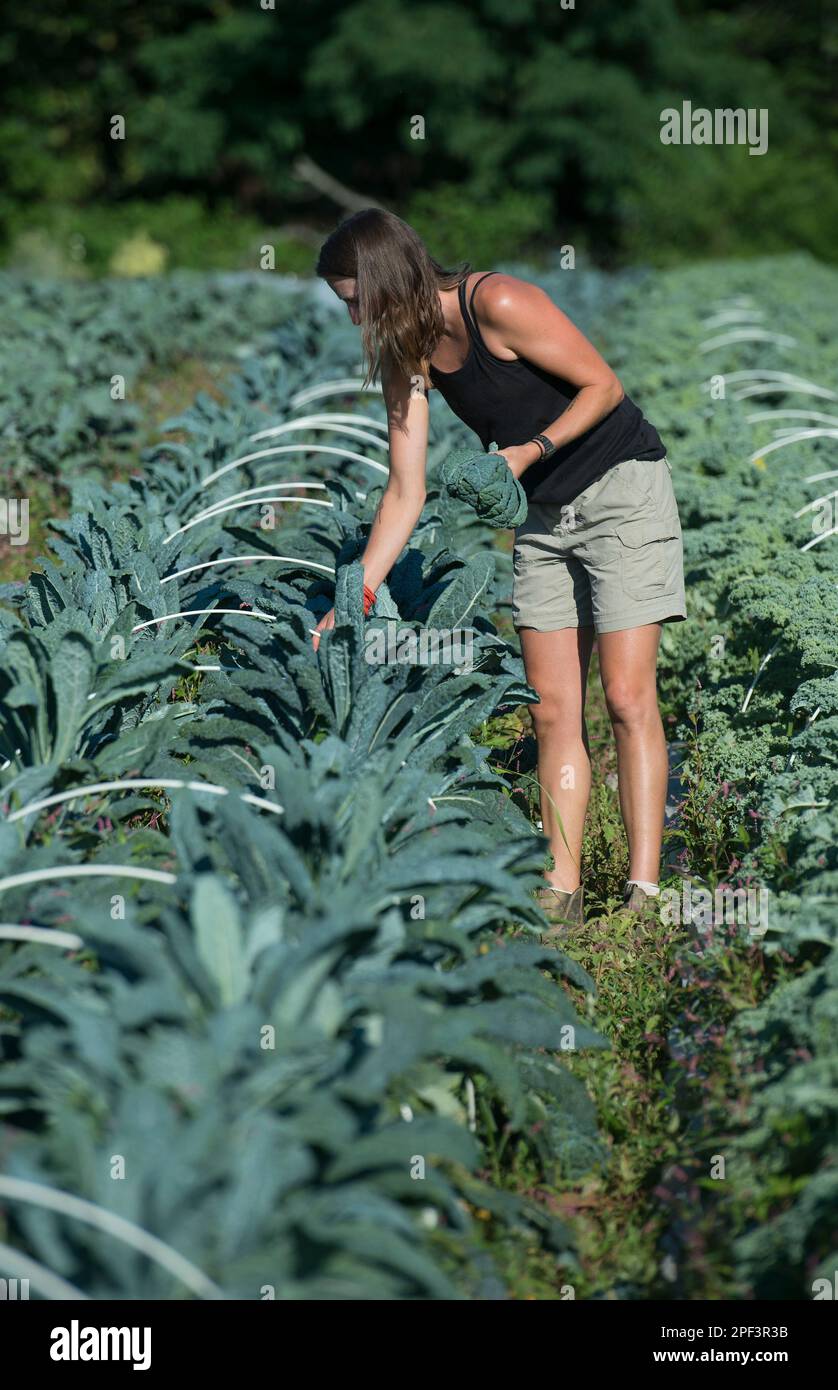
369	600
546	445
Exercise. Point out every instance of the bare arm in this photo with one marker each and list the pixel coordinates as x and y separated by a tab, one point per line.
404	495
521	319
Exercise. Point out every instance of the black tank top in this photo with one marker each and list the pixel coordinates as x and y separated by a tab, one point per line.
508	402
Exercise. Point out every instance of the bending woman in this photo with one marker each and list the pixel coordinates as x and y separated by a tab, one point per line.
599	554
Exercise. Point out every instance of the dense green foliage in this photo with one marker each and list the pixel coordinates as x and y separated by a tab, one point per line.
341	886
61	415
541	126
346	866
755	672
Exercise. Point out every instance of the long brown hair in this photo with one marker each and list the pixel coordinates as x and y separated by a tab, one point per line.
397	283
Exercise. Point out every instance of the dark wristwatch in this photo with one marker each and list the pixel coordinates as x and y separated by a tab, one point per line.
547	446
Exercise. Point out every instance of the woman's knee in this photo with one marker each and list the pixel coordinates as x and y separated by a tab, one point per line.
631	702
558	715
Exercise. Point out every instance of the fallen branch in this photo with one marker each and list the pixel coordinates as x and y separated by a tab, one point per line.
305	169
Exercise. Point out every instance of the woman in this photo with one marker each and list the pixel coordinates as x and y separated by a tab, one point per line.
600	551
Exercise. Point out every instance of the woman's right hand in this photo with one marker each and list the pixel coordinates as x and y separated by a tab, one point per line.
325	625
404	494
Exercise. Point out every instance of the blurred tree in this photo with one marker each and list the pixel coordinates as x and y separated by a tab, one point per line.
531	123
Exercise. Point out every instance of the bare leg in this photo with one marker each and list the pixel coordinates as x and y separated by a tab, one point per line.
557	664
627	662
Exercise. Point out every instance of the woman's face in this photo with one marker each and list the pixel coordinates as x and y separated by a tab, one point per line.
347	292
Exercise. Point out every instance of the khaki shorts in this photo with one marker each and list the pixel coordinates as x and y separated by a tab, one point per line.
610	559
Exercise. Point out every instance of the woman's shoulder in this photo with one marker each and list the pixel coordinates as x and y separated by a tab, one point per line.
497	287
500	295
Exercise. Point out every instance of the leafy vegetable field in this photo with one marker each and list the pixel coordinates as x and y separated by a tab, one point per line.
274	1017
741	374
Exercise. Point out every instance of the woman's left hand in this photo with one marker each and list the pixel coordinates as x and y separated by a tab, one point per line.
520	457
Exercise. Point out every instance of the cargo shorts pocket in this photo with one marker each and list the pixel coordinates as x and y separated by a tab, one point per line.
651	562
